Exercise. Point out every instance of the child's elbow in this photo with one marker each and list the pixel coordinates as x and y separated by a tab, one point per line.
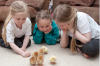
37	42
51	43
63	46
86	41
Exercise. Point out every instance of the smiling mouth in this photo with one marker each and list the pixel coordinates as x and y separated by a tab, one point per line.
45	31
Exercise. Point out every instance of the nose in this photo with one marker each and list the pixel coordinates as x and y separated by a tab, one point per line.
44	29
21	21
61	27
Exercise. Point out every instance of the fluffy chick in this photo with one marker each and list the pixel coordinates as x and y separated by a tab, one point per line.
53	59
40	52
32	61
40	59
35	54
45	49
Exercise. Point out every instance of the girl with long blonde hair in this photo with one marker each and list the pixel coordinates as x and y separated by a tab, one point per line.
17	29
79	31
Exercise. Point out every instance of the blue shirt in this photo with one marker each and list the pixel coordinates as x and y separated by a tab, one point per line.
50	37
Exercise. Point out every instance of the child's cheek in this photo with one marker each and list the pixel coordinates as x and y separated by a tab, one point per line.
50	28
41	29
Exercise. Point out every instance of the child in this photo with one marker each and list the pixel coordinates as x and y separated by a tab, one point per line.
17	29
81	27
45	28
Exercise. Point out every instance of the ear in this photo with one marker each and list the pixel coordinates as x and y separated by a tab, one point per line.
10	14
69	23
37	23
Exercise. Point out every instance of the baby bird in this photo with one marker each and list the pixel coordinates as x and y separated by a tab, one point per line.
40	59
35	54
45	49
40	52
53	59
32	61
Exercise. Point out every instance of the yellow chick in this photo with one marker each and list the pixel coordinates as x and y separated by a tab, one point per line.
40	59
32	61
35	54
40	52
53	59
45	49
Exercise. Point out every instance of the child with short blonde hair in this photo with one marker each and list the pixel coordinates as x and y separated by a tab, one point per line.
45	29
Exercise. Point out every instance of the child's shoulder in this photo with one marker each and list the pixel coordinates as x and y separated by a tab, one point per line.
54	25
53	22
81	14
28	20
35	26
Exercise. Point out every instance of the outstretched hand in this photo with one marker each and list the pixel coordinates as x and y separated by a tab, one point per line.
26	54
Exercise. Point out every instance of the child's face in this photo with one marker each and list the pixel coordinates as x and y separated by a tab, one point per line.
20	18
44	25
64	25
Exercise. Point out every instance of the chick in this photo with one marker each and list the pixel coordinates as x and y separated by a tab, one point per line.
32	61
45	49
35	54
40	52
53	59
40	59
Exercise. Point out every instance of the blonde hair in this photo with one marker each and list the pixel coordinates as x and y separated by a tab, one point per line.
43	14
65	13
16	7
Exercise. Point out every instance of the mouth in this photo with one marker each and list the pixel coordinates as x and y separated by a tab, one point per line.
63	29
20	24
45	31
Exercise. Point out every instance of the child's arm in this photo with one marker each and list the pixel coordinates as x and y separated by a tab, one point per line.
64	39
25	42
37	36
84	38
52	37
18	50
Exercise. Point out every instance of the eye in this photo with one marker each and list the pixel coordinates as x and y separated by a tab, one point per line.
41	26
24	18
47	26
18	18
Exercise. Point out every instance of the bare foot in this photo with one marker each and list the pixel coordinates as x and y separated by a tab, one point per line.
86	55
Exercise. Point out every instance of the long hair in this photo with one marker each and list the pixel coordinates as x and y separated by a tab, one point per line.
65	13
16	7
43	14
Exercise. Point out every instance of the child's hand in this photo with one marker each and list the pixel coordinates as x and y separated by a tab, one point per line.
26	54
48	30
64	31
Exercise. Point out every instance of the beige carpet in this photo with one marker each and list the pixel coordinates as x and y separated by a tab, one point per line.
64	57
